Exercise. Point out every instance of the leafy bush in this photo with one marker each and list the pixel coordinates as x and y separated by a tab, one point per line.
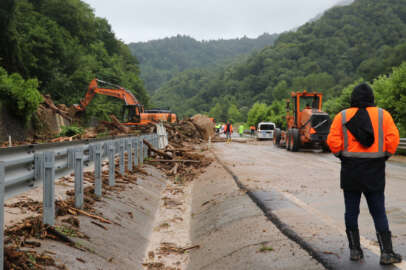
22	95
390	94
70	131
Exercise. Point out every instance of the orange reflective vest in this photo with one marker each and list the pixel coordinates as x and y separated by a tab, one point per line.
252	127
226	129
343	143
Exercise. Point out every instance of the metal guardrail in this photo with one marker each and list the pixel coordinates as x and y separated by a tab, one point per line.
23	168
402	144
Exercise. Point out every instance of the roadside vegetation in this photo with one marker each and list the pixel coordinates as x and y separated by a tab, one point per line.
57	47
19	95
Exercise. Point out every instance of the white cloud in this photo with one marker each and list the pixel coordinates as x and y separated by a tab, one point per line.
142	20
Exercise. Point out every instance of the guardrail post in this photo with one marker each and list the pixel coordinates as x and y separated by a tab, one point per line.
92	152
156	141
129	155
141	151
111	164
71	158
49	188
2	191
97	170
145	153
121	157
38	166
78	178
135	146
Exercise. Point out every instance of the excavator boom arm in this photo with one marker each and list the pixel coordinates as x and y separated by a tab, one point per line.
118	92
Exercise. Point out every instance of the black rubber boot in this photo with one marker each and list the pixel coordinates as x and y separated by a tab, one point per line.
385	244
356	253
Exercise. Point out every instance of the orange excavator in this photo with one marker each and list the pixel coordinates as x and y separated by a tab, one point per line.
133	112
307	125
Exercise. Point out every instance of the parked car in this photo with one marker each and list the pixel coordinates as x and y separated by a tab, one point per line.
265	131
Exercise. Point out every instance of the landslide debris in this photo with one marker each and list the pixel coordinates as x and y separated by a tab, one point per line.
23	238
181	160
51	118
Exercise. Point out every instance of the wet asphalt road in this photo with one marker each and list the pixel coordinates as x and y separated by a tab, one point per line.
302	191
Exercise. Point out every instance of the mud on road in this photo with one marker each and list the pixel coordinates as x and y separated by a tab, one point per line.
302	190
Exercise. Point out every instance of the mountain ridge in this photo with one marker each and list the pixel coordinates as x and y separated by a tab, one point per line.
161	59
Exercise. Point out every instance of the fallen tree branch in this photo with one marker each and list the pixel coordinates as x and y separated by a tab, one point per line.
48	101
165	155
119	125
90	215
60	235
175	160
99	225
174	171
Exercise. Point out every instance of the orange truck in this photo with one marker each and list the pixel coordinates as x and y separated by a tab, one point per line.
133	111
307	125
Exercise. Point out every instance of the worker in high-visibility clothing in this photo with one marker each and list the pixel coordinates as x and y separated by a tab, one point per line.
241	130
252	128
363	137
218	127
228	130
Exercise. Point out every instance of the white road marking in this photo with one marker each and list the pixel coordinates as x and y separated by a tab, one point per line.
330	221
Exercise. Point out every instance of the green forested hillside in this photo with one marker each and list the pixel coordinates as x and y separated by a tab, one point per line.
162	59
362	40
62	46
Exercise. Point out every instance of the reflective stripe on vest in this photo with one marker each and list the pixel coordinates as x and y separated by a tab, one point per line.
378	154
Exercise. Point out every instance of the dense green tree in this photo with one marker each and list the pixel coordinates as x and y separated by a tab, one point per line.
390	92
233	114
276	113
64	46
257	114
20	96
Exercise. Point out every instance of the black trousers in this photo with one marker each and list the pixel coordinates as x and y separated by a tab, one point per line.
376	206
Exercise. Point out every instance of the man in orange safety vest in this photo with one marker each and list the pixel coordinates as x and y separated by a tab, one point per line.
228	130
363	137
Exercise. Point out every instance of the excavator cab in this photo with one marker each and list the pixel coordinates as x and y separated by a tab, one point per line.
131	113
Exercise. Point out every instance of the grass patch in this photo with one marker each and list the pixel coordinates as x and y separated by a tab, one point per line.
265	249
69	131
66	231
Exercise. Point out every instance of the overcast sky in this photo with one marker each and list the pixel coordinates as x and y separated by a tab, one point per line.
143	20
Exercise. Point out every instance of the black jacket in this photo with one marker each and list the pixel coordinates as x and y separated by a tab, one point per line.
362	174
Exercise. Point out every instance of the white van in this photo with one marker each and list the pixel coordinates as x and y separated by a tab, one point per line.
265	130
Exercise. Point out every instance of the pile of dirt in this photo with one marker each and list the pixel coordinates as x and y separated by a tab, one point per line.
185	131
205	126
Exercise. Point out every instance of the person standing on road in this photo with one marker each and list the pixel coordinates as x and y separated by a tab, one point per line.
228	130
241	130
363	137
218	127
252	128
